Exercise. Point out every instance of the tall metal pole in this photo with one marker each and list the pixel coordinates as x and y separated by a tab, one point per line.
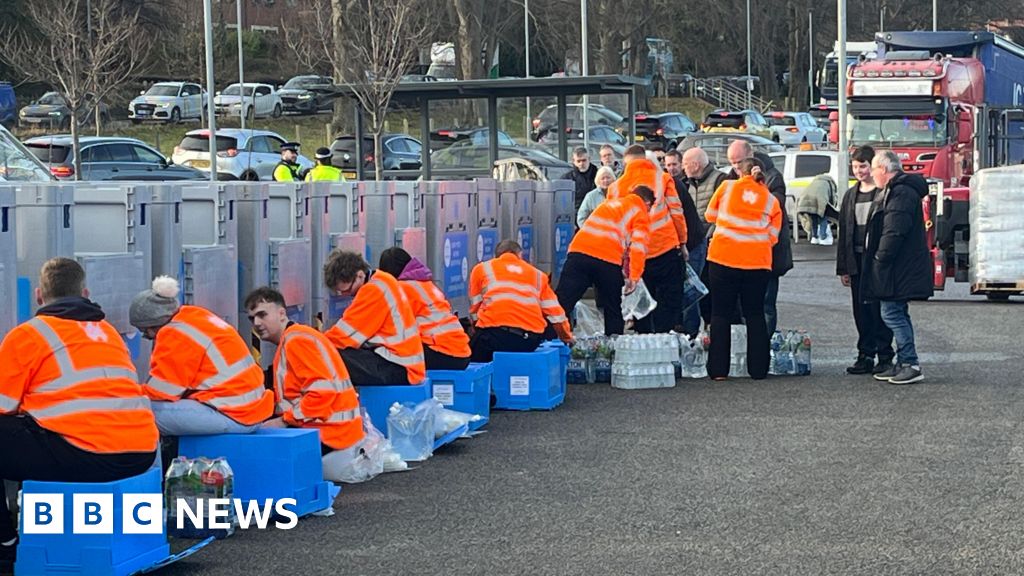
935	15
208	34
881	18
586	72
750	83
842	83
526	29
810	58
241	79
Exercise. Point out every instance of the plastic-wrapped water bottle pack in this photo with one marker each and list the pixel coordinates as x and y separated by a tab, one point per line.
790	353
645	361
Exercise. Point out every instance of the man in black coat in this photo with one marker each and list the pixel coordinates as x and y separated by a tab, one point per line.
873	337
782	252
896	267
583	175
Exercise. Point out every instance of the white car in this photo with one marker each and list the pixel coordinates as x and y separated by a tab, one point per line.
241	154
169	102
795	128
261	100
799	167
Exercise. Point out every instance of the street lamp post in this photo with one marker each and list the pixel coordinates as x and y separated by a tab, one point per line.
241	80
810	58
211	116
584	71
526	29
841	9
750	83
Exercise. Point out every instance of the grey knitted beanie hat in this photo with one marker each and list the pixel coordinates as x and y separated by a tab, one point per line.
155	307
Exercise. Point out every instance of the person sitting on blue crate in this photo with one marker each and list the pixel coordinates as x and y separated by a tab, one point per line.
445	343
71	408
377	335
511	305
311	384
202	378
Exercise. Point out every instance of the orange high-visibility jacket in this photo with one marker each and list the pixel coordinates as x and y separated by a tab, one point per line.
76	379
201	357
615	229
747	220
507	291
313	390
439	327
668	226
380	316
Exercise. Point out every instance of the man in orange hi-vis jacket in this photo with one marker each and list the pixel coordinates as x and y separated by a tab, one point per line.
511	304
311	385
666	246
377	335
71	408
609	253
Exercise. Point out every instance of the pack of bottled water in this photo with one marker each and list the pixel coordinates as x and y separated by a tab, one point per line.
997	226
590	360
790	353
188	481
738	351
693	355
645	361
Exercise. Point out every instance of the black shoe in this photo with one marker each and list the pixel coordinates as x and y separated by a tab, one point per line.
889	374
882	366
863	365
907	375
7	555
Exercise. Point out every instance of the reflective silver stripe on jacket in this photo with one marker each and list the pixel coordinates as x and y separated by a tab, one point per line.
401	332
351	332
436	315
407	361
92	404
740	236
225	371
165	386
336	382
69	375
8	404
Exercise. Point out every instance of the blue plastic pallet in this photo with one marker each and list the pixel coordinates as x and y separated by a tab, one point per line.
564	356
377	400
528	381
270	463
451	436
116	554
467	391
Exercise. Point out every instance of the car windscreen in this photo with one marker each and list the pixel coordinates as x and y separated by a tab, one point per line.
781	120
51	99
300	82
163	90
647	124
201	143
18	164
724	120
233	90
48	154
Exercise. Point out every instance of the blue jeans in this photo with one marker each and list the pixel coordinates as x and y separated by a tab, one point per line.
896	315
698	258
771	313
191	418
819	226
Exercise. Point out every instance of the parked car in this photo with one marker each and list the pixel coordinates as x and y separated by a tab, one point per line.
795	128
799	167
474	161
241	154
820	113
52	110
599	136
107	158
478	136
716	145
17	163
307	94
169	102
597	114
8	105
748	121
400	151
667	128
261	100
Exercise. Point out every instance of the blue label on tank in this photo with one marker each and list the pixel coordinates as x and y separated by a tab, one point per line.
486	240
336	306
25	299
563	235
525	239
134	343
456	264
297	313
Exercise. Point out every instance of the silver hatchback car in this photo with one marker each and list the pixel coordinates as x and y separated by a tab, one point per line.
241	154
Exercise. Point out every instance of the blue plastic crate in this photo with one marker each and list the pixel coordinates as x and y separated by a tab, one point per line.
270	463
564	356
528	381
466	390
116	554
377	400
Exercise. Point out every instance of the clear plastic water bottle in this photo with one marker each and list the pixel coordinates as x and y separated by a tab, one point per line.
176	486
803	354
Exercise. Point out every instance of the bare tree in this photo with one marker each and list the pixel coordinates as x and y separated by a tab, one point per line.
309	34
383	42
61	52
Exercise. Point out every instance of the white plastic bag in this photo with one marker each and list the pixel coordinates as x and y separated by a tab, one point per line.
363	461
447	421
589	320
411	430
638	303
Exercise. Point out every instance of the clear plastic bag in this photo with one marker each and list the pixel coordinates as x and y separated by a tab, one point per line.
693	289
638	303
365	460
411	430
447	421
589	320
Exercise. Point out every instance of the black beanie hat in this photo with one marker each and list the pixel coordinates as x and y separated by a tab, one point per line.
394	260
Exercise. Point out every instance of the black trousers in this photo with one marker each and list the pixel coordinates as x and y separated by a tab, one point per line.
728	284
366	368
581	272
874	338
435	360
487	341
31	452
663	276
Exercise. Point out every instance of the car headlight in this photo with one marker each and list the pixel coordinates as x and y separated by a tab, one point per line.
305	96
22	113
165	105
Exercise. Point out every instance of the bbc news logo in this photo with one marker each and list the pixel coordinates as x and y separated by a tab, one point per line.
144	514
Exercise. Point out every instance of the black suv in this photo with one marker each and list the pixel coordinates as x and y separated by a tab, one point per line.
108	158
668	128
400	151
307	94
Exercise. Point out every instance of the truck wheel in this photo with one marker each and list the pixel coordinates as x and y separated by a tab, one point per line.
998	296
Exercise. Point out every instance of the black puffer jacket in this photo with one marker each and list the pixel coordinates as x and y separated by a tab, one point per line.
896	263
584	182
